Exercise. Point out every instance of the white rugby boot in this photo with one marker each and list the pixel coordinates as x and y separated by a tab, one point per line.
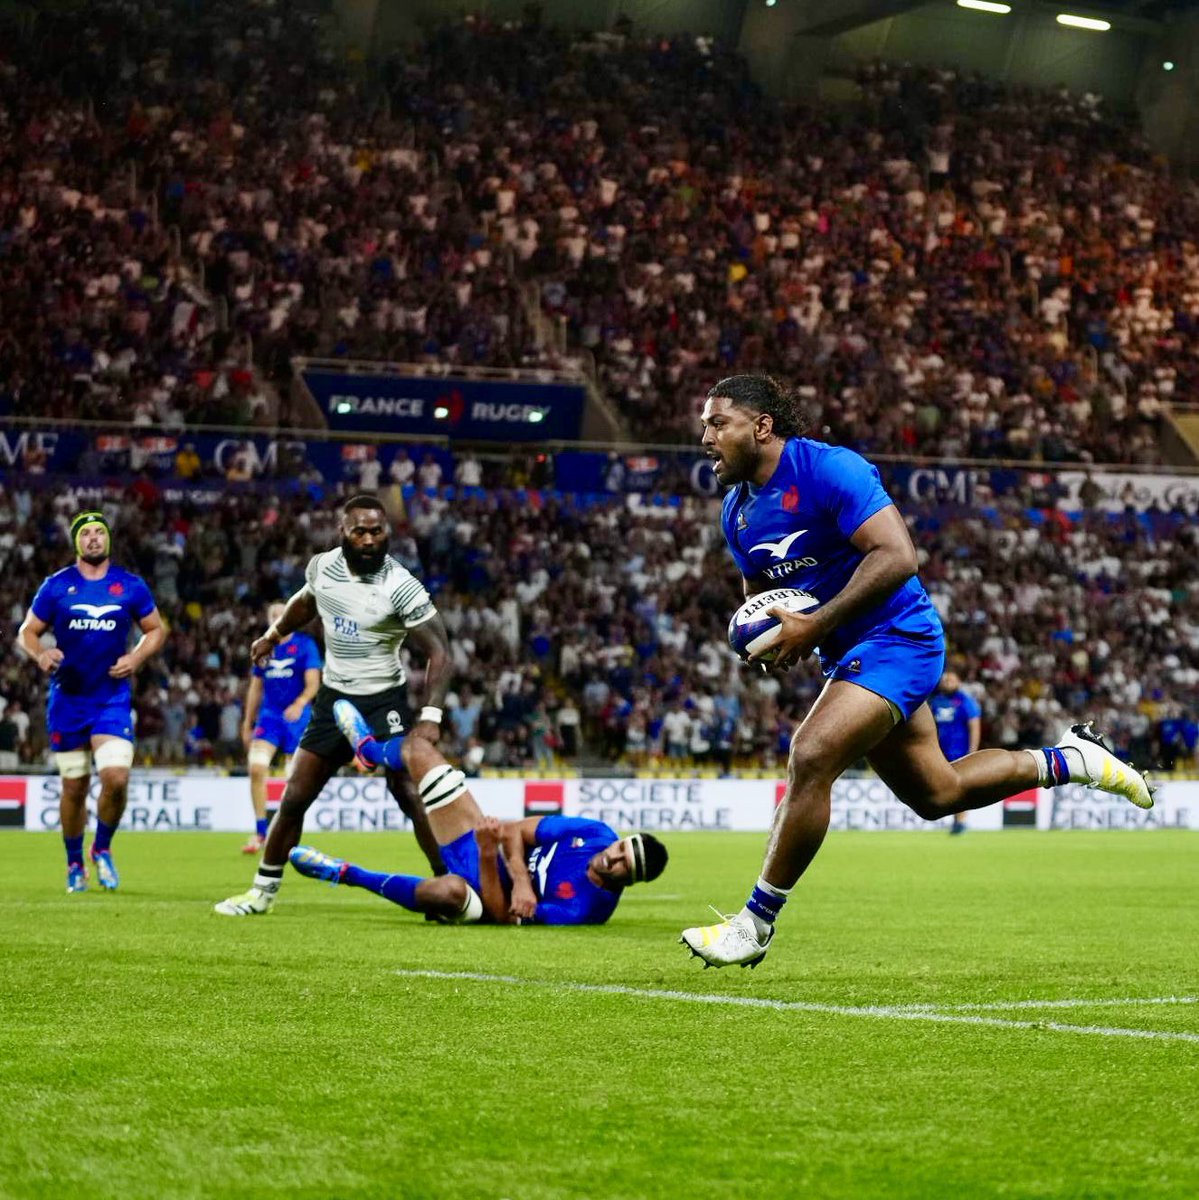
254	903
733	942
1101	768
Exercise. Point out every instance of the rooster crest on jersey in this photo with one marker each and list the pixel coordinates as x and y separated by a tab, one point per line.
752	629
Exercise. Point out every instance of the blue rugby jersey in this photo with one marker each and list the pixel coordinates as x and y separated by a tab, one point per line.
558	868
795	531
91	621
283	676
953	712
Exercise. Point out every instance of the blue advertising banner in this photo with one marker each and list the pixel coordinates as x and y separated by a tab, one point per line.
682	473
284	459
484	409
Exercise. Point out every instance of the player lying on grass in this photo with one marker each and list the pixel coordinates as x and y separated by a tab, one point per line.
547	871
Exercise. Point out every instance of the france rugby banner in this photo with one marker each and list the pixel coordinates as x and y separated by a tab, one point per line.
490	409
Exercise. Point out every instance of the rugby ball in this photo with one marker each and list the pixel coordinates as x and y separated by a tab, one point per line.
752	629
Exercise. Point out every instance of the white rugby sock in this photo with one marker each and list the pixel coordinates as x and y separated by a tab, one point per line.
267	878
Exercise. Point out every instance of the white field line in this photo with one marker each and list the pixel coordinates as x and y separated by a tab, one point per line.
988	1005
876	1011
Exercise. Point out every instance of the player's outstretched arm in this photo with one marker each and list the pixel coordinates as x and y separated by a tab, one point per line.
301	609
29	643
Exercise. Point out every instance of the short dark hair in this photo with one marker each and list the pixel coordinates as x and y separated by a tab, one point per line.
655	857
363	500
763	394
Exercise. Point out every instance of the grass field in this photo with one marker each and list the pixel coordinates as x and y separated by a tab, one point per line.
149	1048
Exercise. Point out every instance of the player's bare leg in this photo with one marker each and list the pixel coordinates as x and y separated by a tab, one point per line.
112	758
460	815
72	815
448	808
843	726
310	773
448	898
114	795
911	764
444	803
72	806
400	785
258	761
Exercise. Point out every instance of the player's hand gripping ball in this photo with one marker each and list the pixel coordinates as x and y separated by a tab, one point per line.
753	631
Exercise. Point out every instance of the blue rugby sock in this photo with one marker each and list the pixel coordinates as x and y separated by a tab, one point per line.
399	889
764	905
383	754
1053	769
260	826
103	838
74	850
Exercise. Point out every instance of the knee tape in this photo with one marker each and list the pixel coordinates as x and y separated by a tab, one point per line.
116	752
441	786
73	764
260	756
472	910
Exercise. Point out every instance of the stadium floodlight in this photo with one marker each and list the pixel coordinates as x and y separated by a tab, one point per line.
1167	65
1083	22
985	6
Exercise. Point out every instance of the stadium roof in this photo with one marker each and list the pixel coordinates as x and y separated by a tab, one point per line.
830	17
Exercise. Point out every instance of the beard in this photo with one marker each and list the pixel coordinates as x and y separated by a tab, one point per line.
737	465
363	562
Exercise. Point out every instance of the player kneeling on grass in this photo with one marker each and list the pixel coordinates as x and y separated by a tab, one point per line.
548	870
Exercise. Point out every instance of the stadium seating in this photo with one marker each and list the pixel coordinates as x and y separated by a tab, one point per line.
591	625
179	194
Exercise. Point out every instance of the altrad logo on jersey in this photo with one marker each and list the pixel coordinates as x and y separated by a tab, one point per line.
95	619
779	549
789	568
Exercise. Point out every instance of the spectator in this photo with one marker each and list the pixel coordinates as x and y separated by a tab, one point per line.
670	242
428	474
370	469
402	470
10	742
187	462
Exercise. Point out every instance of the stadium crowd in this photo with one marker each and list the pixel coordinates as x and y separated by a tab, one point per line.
182	185
592	628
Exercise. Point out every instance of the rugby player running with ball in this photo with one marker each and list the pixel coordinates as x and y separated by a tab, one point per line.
804	514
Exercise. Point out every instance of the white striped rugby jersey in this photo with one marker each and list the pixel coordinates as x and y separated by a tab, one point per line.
366	619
